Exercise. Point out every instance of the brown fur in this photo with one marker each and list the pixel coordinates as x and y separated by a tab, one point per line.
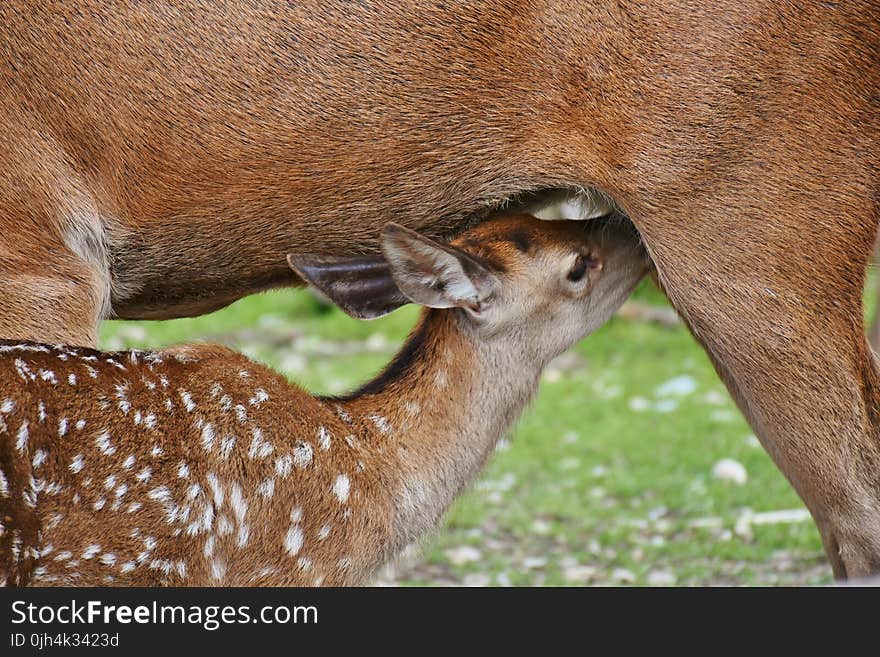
198	144
195	466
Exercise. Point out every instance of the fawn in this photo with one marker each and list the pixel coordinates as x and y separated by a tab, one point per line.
196	466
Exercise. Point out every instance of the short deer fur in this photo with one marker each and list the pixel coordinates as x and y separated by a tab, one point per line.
196	466
160	159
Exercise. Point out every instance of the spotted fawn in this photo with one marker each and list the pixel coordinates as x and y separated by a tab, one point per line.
194	466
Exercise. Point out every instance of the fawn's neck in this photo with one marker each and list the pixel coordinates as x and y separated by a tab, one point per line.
439	409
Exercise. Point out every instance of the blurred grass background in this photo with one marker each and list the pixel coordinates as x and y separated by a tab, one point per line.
608	477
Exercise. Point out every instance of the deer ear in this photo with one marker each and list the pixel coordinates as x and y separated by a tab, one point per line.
361	286
434	274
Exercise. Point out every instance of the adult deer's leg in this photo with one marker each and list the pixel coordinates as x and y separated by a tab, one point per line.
50	294
53	260
772	289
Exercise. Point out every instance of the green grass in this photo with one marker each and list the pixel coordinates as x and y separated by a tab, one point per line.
585	485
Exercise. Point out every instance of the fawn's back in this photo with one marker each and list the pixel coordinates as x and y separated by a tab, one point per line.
141	473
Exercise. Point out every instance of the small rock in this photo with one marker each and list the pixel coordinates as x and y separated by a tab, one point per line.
495	497
569	463
730	470
463	554
639	404
541	527
715	398
293	363
680	386
657	512
376	342
661	578
623	576
597	492
665	406
531	563
551	375
503	579
570	437
579	573
133	333
477	579
599	471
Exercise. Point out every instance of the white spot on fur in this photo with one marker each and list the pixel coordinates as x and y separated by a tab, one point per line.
183	470
76	465
293	541
102	440
440	379
239	505
259	397
144	475
380	422
71	379
216	489
266	488
283	465
80	425
48	375
208	437
302	455
324	532
21	439
226	445
259	449
187	400
341	487
23	370
62	426
39	458
91	551
8	406
128	463
323	438
343	415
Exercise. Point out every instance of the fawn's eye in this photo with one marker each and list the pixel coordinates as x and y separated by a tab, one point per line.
579	269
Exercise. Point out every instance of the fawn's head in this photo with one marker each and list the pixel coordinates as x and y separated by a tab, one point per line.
547	283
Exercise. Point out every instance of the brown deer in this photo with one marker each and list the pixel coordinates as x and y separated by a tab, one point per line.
196	466
161	159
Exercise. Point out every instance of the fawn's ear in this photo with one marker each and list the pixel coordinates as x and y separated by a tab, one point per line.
434	274
362	286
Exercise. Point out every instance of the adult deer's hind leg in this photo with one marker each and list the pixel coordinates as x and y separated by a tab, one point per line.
776	301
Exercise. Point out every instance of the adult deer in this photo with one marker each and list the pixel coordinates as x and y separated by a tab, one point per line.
160	160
